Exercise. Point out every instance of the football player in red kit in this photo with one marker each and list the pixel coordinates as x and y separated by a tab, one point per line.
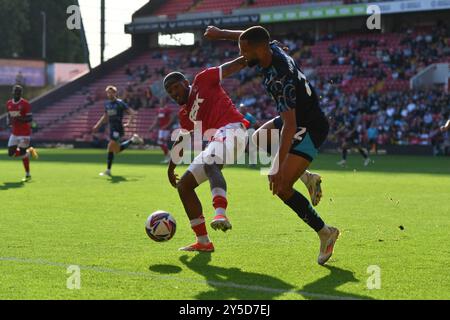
163	122
206	102
20	118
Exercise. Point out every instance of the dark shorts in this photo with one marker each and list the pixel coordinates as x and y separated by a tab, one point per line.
307	142
116	133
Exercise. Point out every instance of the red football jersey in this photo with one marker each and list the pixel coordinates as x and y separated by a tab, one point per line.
164	117
209	103
19	109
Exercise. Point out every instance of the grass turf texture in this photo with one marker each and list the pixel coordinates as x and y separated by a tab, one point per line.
68	215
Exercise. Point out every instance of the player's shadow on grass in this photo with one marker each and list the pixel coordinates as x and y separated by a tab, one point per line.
11	185
117	179
121	179
234	283
327	287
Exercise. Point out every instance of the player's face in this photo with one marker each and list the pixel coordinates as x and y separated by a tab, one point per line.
17	93
179	92
111	94
249	53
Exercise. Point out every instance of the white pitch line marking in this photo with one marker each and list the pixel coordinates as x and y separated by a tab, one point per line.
224	284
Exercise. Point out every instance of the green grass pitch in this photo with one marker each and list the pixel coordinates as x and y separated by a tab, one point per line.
68	215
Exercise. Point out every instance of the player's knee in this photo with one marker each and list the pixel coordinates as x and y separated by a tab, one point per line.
212	169
184	186
114	147
181	187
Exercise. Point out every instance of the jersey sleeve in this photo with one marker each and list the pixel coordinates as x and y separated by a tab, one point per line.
209	77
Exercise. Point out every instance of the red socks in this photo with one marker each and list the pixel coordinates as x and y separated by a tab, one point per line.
26	163
220	202
199	227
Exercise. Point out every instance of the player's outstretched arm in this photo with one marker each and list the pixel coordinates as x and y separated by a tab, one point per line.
281	45
8	120
446	127
100	122
153	126
173	177
233	67
214	33
132	115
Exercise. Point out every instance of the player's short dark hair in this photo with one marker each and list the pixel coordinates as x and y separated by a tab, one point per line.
172	78
256	35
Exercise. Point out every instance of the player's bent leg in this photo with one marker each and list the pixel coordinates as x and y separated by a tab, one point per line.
311	180
165	148
292	168
33	152
193	207
313	183
113	149
25	152
135	139
219	193
365	154
13	151
186	190
343	162
26	163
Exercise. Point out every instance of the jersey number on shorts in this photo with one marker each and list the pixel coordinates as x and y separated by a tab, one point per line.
300	135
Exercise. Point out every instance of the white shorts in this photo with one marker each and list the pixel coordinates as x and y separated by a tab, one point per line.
163	136
226	147
22	142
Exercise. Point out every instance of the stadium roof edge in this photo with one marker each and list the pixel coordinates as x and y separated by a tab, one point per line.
241	17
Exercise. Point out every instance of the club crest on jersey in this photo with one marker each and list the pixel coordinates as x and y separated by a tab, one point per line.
195	108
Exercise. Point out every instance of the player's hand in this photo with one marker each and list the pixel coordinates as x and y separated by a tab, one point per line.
126	125
213	33
94	129
282	46
274	183
443	129
173	177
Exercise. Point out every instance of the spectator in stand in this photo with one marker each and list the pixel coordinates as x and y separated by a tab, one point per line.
372	136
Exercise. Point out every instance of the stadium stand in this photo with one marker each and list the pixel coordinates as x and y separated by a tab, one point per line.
364	75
